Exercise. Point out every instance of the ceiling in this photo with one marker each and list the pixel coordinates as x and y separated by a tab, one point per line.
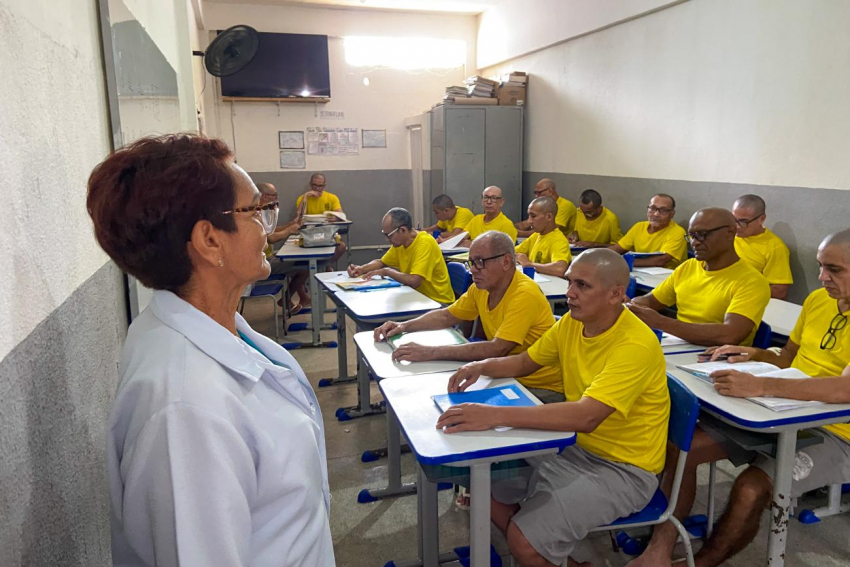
448	6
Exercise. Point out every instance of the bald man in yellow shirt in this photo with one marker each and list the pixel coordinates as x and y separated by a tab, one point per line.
565	217
617	401
492	219
760	247
659	233
547	249
451	219
819	346
720	299
596	225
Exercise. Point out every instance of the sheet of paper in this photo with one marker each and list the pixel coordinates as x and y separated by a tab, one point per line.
654	271
670	340
453	241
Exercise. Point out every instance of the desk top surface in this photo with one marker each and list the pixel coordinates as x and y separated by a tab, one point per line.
410	399
749	415
292	250
379	358
386	303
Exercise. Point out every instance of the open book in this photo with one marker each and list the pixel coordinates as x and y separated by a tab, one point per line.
327	216
762	369
440	337
453	241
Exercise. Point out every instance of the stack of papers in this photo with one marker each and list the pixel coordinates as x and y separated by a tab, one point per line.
440	337
654	271
478	86
453	241
763	369
671	340
342	281
455	92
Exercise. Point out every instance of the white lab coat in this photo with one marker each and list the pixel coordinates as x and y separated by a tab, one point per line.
216	456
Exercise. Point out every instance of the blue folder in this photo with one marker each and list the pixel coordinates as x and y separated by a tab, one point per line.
487	396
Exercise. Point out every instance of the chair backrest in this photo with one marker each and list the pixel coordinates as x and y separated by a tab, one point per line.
459	277
632	289
684	410
762	338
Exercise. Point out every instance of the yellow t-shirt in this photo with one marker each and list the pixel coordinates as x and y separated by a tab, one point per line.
566	216
545	249
318	205
522	316
604	228
670	240
624	369
477	226
423	258
706	297
460	220
818	311
768	254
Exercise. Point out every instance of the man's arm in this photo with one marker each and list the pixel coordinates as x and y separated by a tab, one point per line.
618	249
505	367
735	353
653	261
833	390
779	291
557	269
649	301
412	352
284	232
734	329
431	321
410	280
354	270
589	244
583	416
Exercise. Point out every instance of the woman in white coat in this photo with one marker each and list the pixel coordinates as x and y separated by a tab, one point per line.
216	447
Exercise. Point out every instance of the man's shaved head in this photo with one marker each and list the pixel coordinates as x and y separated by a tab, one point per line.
496	243
545	205
611	268
840	239
493	191
267	188
715	216
752	202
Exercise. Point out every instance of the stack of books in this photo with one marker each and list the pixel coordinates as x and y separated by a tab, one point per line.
515	79
480	87
454	92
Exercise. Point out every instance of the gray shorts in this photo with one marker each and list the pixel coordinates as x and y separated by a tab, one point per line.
548	396
565	496
816	466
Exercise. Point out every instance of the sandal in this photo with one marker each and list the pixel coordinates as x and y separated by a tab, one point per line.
462	500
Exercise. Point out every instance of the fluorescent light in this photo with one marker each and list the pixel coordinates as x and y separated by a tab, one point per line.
405	52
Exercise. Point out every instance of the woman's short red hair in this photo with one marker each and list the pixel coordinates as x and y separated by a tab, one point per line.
145	199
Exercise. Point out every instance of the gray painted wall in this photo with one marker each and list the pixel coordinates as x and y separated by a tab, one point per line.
365	195
56	390
800	216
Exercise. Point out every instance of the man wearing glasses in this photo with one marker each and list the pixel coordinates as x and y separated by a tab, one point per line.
819	346
492	219
659	233
720	299
513	311
415	259
760	247
566	217
596	226
319	201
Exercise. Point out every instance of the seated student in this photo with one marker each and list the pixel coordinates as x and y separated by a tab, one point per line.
513	311
318	201
451	219
819	346
492	219
566	217
268	194
659	233
597	226
617	402
547	249
720	299
414	260
758	246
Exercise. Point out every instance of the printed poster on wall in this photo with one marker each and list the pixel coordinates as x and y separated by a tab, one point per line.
323	141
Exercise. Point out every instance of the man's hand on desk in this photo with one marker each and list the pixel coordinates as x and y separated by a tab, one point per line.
413	352
729	353
387	330
467	417
354	270
737	384
523	260
466	376
649	316
380	272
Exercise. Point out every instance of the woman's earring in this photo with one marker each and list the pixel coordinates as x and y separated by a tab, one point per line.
220	263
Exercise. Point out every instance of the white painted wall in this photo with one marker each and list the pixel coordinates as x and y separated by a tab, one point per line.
514	28
53	130
747	91
384	104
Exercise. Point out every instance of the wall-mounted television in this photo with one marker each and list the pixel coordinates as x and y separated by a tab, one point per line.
288	66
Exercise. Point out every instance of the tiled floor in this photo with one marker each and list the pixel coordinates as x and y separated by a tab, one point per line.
368	535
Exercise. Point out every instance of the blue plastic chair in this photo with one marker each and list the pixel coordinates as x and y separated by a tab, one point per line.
684	410
459	277
763	334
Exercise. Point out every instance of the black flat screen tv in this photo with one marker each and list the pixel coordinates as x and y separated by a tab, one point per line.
287	66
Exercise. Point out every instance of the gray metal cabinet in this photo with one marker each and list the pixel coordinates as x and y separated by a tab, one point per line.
473	147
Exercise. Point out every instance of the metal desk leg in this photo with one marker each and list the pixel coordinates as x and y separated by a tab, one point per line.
315	298
342	350
479	514
394	485
364	405
429	533
778	530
